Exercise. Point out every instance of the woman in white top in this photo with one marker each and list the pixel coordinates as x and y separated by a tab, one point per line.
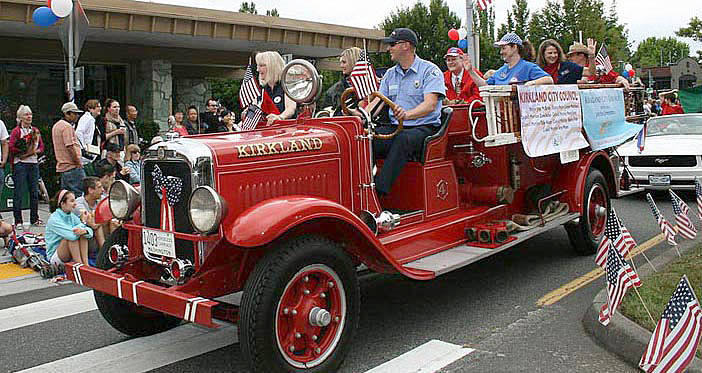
86	130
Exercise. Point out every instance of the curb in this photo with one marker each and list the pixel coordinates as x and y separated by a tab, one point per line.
622	336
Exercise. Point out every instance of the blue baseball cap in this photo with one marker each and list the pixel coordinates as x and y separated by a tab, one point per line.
401	34
509	38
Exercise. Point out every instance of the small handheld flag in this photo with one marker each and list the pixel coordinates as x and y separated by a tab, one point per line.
619	277
363	79
698	193
602	59
680	209
641	138
249	91
663	224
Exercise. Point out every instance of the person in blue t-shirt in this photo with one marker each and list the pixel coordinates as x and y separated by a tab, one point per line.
552	59
516	69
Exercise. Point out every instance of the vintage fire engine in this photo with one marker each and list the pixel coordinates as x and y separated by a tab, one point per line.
288	213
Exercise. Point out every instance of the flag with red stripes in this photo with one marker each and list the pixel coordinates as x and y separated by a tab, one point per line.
666	228
602	59
483	4
628	238
363	78
619	277
252	117
680	209
613	237
677	335
698	193
249	91
641	139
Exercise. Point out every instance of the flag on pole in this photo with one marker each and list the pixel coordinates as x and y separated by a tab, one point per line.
250	91
628	238
677	335
619	277
613	236
698	193
363	79
253	115
641	138
680	209
602	59
483	4
663	224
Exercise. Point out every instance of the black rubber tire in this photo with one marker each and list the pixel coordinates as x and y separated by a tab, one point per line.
582	239
127	317
264	288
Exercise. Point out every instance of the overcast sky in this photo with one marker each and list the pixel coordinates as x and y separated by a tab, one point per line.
643	18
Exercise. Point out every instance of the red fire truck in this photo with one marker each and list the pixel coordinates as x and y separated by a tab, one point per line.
288	213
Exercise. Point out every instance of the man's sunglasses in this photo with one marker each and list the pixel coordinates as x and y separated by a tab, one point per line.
394	43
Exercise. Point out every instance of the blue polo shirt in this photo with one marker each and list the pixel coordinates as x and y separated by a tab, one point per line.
522	72
407	89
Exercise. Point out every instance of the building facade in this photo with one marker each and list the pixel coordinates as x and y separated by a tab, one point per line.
686	73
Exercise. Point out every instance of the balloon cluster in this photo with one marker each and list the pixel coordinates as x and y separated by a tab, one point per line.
55	9
460	36
628	71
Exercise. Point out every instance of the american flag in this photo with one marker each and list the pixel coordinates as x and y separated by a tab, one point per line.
663	224
680	209
363	79
170	190
483	4
698	193
620	277
628	238
602	59
253	115
613	236
641	138
677	334
249	91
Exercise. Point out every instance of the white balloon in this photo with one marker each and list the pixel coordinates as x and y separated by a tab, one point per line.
628	67
62	8
462	33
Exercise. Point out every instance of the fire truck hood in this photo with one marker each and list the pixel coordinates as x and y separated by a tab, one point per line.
271	144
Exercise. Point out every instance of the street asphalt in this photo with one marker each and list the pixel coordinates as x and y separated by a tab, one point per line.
490	306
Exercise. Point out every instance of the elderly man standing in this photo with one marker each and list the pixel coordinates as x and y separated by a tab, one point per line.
67	150
417	87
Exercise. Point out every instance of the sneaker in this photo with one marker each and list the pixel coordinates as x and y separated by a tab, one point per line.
38	223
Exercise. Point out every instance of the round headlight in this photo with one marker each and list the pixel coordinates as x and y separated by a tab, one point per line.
206	209
124	199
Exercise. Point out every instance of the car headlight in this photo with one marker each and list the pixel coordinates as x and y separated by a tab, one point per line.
124	199
206	209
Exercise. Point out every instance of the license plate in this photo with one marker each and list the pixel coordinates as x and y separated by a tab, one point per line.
158	243
659	179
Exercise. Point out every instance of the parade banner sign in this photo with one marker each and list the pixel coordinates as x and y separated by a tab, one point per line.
603	118
551	119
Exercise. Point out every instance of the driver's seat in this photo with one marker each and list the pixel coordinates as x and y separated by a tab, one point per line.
434	147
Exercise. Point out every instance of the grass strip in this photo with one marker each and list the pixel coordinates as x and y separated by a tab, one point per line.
658	288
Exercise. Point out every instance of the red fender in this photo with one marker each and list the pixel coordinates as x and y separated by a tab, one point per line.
103	213
573	175
262	223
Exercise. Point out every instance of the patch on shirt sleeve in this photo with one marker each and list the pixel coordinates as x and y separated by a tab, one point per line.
436	72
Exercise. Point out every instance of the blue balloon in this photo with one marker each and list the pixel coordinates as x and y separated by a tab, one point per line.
463	43
43	16
625	74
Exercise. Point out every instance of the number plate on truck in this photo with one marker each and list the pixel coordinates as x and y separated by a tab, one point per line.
158	243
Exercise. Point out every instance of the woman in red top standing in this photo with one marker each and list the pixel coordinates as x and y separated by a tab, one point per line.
668	103
459	85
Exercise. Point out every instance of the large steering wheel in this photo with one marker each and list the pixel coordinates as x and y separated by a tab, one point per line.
373	95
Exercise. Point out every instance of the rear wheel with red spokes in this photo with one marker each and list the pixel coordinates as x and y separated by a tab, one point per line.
587	233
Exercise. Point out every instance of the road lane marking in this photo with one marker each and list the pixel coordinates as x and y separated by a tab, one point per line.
593	275
46	310
427	358
146	353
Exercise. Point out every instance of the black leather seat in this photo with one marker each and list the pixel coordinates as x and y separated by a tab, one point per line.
446	113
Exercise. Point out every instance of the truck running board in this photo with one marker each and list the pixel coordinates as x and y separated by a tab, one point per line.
460	256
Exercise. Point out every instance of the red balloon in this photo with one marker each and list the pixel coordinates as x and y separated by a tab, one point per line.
631	73
48	3
453	34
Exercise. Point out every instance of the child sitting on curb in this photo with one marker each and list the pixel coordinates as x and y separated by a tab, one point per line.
66	234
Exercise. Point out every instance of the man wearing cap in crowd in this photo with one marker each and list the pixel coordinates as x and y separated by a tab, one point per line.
417	88
67	150
517	68
585	56
459	85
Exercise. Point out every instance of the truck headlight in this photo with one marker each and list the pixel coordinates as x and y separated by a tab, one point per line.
124	199
206	209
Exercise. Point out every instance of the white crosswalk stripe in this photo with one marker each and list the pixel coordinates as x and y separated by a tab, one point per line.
427	358
46	310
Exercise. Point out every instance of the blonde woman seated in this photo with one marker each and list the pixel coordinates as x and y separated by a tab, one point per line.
276	104
66	234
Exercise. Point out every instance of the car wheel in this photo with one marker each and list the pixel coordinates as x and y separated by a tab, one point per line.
586	234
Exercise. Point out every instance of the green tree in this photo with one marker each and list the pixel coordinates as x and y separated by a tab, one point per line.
248	7
431	25
517	20
485	28
694	31
273	12
654	51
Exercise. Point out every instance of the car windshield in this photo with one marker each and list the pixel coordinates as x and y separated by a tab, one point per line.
675	125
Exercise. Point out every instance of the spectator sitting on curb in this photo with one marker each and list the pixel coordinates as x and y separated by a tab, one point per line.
112	158
66	234
92	194
132	162
106	174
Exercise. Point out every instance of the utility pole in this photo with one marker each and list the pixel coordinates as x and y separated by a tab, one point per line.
71	57
471	35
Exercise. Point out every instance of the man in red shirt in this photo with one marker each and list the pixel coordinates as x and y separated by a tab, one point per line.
459	85
668	103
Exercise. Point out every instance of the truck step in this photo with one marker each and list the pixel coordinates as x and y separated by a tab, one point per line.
460	256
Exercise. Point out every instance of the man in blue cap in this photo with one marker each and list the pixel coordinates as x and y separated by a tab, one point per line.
417	87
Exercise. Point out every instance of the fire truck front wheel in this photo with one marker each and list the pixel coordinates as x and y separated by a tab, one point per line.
300	308
586	234
124	316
